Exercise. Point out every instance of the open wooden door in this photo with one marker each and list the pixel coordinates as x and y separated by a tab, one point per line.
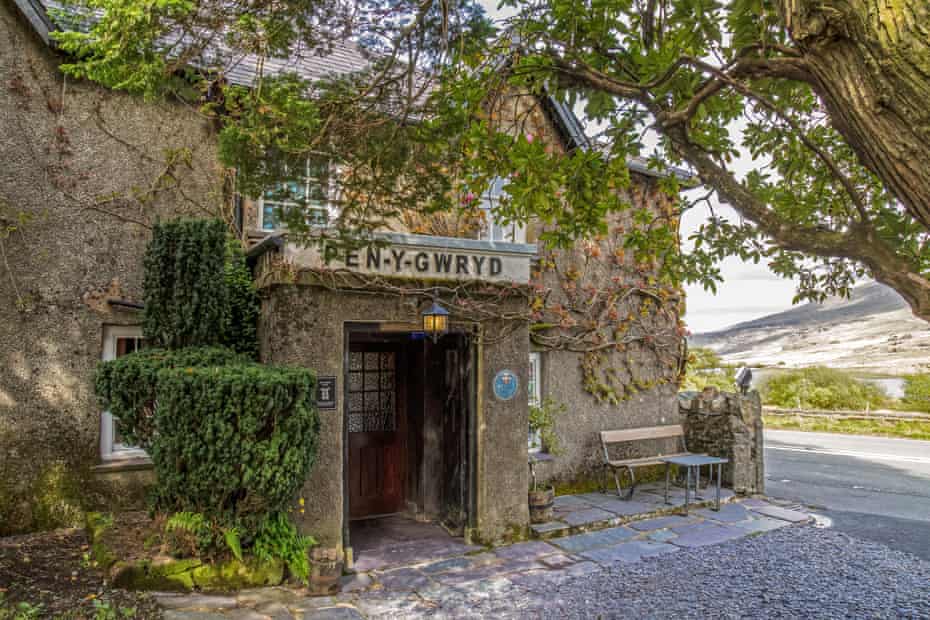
376	428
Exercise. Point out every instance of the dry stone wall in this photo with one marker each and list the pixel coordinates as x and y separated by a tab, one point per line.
729	426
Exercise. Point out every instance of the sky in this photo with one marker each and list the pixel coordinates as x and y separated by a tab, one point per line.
748	290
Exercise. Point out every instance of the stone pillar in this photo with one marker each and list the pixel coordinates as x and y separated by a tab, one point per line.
730	426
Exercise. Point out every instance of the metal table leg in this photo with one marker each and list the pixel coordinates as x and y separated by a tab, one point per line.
687	487
668	467
719	476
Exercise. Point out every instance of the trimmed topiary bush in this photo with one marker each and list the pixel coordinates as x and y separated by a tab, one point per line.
197	288
233	443
126	386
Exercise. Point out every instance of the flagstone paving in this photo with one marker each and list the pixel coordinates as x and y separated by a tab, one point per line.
452	586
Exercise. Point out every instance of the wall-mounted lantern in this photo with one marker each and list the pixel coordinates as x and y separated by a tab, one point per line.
435	321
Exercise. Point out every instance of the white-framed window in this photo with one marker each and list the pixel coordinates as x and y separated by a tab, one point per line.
534	389
118	340
314	193
491	228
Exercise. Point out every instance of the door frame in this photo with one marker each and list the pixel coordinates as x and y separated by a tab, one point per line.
361	327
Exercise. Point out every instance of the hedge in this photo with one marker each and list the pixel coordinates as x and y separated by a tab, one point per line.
233	443
126	386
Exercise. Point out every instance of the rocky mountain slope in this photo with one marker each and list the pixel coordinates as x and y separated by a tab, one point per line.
872	331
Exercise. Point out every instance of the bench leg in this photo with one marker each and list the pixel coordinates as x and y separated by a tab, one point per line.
617	482
632	482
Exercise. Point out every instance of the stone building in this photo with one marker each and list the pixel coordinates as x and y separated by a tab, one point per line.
434	429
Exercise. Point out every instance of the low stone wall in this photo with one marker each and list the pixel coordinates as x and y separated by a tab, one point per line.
729	426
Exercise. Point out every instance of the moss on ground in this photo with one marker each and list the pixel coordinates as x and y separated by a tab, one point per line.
907	429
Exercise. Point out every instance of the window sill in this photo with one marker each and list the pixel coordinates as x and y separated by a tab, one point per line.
121	465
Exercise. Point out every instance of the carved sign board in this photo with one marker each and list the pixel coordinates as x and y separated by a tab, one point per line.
421	256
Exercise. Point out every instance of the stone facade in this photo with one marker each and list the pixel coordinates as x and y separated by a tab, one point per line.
79	164
85	174
729	426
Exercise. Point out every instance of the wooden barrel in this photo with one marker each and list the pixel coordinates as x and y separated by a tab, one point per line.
541	505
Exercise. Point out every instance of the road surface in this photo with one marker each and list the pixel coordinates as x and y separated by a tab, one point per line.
870	487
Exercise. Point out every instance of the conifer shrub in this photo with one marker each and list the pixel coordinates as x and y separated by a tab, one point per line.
233	443
126	386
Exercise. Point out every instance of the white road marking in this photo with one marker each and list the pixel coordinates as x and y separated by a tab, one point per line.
864	455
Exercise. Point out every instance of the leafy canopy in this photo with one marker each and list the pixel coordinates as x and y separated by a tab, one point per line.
429	123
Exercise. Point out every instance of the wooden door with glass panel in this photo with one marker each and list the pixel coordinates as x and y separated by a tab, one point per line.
376	428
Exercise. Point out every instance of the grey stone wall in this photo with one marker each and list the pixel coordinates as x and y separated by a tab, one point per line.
77	168
730	426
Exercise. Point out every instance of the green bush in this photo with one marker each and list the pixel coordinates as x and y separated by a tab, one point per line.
706	369
234	443
197	288
126	386
821	388
917	393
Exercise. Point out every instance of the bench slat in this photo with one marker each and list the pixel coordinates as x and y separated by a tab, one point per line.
646	460
636	434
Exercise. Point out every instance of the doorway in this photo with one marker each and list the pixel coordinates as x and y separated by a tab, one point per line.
408	428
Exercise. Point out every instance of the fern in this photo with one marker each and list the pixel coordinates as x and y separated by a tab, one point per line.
231	534
193	523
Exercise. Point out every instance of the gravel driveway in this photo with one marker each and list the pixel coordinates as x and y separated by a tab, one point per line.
799	572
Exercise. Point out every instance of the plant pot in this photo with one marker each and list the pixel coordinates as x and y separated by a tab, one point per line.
325	571
541	505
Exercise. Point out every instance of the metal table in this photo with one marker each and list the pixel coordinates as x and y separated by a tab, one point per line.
693	463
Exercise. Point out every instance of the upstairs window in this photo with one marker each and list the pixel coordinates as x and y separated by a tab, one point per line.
313	193
491	228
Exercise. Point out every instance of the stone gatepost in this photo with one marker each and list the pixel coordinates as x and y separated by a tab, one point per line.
730	426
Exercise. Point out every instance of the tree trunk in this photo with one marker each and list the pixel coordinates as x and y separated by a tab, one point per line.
870	64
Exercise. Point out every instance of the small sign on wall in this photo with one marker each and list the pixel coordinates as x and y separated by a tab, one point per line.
505	384
326	393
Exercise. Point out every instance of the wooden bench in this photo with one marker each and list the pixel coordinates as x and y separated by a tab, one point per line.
610	438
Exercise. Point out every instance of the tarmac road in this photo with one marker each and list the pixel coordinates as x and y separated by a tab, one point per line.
870	487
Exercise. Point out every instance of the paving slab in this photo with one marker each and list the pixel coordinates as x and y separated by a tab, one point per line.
631	551
761	524
624	507
559	560
572	501
550	527
792	516
754	502
588	517
406	579
593	540
661	523
444	566
200	602
190	614
525	550
355	582
662	535
706	533
728	513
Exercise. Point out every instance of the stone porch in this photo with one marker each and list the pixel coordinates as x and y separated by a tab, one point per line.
594	532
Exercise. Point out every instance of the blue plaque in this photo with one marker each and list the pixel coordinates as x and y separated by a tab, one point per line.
505	385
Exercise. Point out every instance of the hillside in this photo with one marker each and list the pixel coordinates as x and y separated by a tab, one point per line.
872	331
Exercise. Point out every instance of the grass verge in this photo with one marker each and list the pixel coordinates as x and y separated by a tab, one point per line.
906	429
